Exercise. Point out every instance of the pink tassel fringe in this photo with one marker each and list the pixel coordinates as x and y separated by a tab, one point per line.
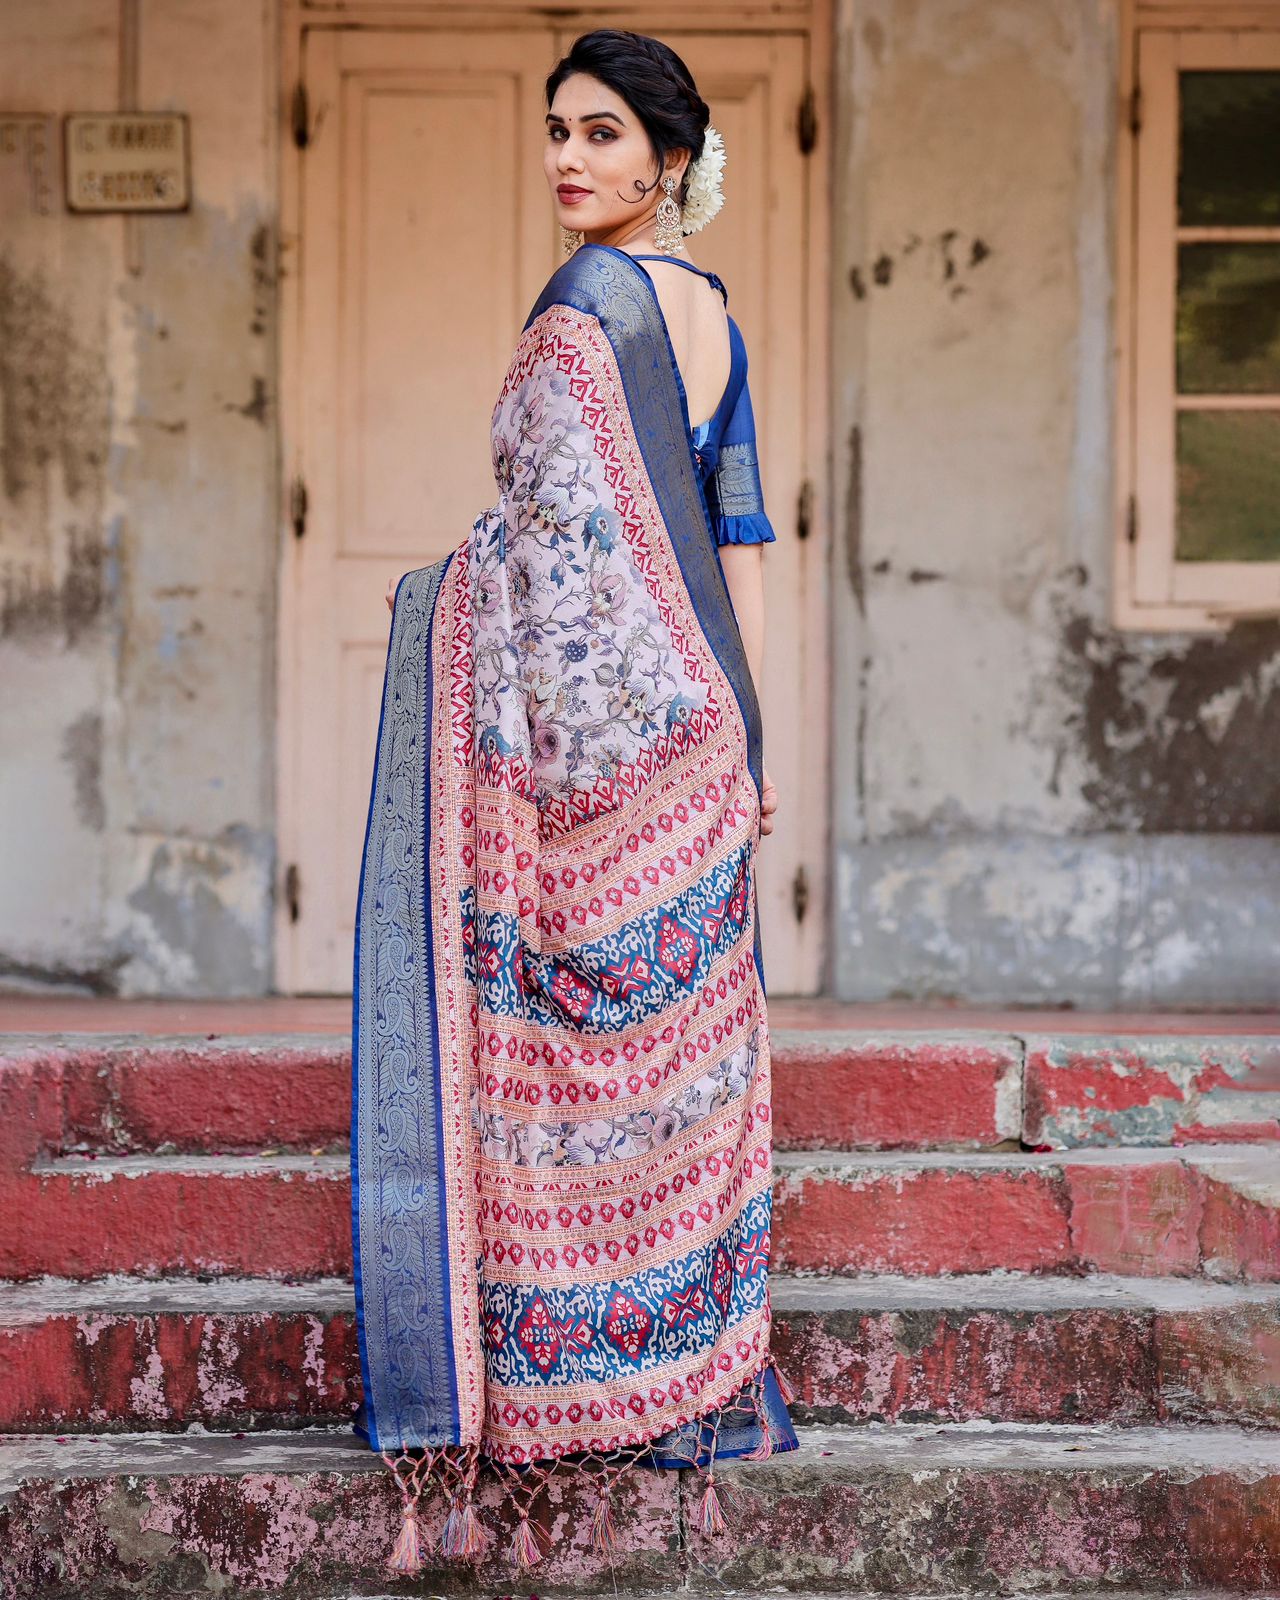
604	1537
470	1537
463	1538
764	1448
528	1550
449	1534
406	1554
710	1516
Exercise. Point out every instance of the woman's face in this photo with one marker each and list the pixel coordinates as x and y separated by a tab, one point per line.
599	162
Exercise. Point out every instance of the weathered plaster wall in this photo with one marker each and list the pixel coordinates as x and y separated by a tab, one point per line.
137	554
1030	805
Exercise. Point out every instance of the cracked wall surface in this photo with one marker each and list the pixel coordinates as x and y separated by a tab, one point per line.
1027	804
1030	805
137	554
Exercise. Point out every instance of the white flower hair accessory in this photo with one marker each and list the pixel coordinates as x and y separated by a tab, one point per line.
705	196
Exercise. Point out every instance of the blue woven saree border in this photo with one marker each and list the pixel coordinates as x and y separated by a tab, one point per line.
402	1283
625	304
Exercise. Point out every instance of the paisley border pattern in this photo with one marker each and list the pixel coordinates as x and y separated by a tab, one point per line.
397	1185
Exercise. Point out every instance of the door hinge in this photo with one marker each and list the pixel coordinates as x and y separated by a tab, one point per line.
1135	109
300	115
807	120
1131	520
800	892
298	507
804	510
293	891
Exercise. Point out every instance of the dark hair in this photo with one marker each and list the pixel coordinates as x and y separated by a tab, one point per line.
654	82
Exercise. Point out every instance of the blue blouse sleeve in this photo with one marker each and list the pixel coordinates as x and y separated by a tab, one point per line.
738	514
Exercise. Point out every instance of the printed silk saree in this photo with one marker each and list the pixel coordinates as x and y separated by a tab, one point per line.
561	1096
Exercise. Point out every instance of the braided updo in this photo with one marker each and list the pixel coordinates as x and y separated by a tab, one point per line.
654	82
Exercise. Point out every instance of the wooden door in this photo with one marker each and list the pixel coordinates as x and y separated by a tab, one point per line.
424	235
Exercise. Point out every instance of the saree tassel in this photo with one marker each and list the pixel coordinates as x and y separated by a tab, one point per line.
528	1550
463	1538
604	1536
763	1449
449	1533
406	1553
784	1388
470	1536
710	1516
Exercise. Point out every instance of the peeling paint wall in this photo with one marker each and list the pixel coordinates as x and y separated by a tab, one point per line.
1031	806
137	548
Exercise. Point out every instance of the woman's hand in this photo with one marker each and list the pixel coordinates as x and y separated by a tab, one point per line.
768	803
391	593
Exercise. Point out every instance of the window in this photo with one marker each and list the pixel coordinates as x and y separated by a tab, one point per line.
1200	515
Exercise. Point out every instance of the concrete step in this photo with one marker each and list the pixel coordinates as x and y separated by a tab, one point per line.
138	1354
838	1088
127	1095
1207	1209
888	1510
1211	1210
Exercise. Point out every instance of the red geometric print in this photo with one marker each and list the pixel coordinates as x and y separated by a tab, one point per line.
627	1324
579	1335
738	900
677	948
572	993
713	920
626	977
539	1335
752	1255
721	1279
683	1306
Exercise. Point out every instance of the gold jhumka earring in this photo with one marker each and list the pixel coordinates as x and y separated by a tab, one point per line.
668	234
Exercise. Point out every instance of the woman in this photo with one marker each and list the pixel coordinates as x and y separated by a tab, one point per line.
560	1122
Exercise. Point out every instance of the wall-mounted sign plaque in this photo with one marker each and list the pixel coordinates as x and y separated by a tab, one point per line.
127	161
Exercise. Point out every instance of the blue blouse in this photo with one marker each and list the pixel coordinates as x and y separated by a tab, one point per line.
724	446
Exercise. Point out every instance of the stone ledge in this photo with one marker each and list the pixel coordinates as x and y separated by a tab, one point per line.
121	1353
947	1087
1211	1210
901	1510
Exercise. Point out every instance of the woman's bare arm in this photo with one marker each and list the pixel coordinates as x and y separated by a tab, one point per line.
743	566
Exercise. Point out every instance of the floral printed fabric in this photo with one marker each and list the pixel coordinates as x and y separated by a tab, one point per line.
576	670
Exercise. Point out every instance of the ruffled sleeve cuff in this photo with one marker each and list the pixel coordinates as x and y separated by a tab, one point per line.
752	528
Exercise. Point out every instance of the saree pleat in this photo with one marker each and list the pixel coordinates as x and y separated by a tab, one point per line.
561	1150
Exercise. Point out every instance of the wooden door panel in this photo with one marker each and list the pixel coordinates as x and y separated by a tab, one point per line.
426	314
406	324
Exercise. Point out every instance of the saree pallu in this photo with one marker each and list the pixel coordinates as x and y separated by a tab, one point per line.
561	1152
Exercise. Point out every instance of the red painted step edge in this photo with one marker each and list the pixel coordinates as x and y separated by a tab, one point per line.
1201	1211
121	1361
831	1089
